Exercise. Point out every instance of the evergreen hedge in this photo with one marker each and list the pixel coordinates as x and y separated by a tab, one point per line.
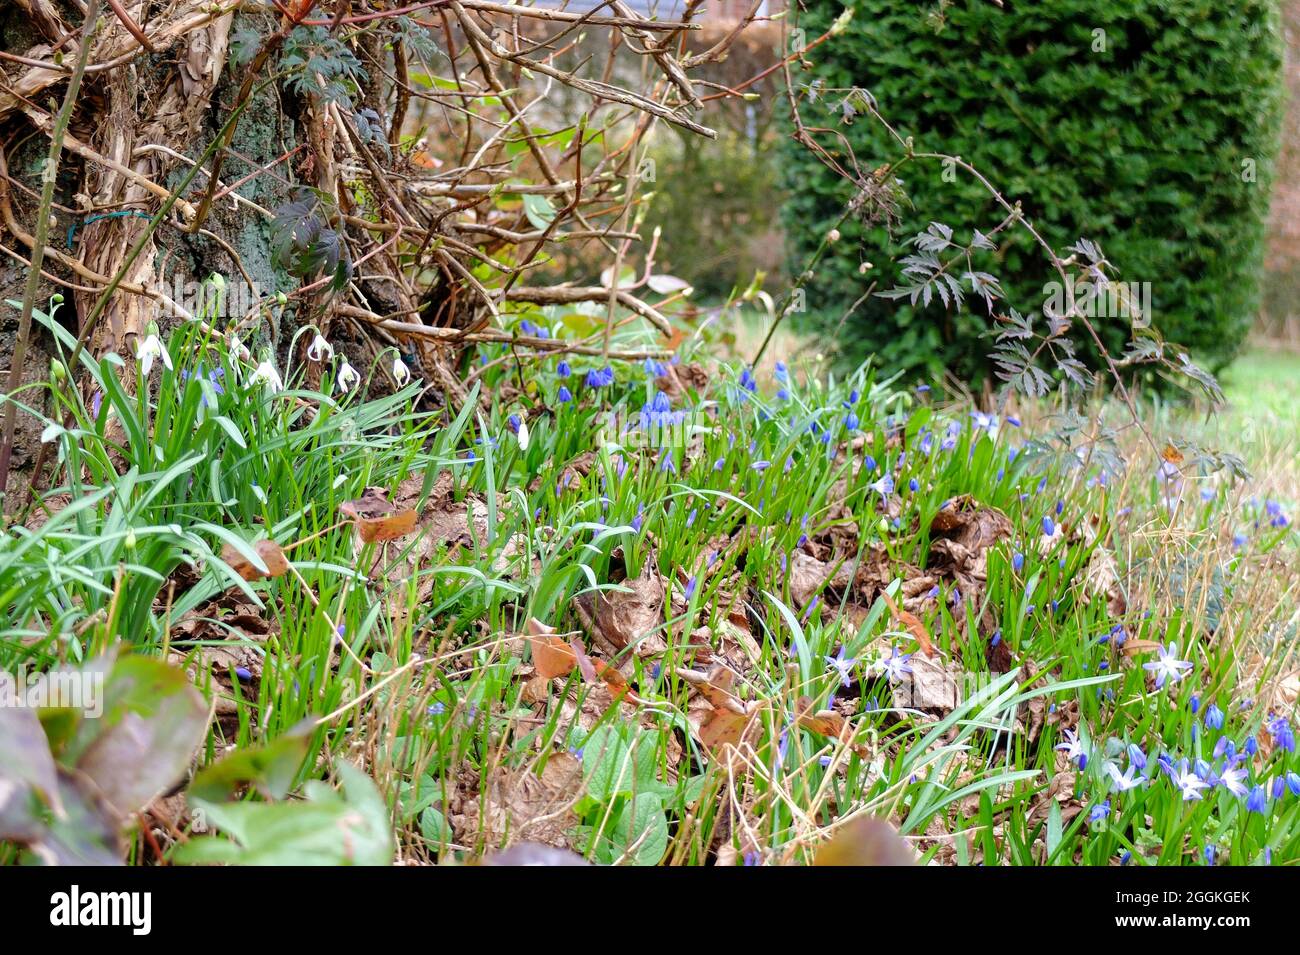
1154	138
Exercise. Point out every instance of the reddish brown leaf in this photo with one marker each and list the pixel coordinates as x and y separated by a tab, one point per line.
723	728
912	623
598	671
277	565
377	518
826	723
552	655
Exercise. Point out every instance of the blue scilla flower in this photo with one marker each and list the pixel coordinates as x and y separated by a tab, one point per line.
1257	801
564	395
1283	735
563	370
1049	527
600	378
1213	717
1018	561
782	373
655	369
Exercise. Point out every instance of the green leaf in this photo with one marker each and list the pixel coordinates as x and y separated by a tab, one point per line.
539	210
434	826
329	827
642	821
606	764
270	768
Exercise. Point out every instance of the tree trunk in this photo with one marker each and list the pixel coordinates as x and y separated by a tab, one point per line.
134	130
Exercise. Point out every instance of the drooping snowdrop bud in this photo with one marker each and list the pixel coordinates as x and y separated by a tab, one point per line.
401	373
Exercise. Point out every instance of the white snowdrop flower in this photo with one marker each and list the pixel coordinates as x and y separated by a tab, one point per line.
833	235
149	350
51	433
400	372
266	374
523	435
347	378
320	349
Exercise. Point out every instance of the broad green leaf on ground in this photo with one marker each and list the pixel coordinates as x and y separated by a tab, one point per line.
270	769
327	827
641	830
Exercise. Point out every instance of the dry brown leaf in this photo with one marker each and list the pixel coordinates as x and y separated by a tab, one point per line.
723	728
912	623
272	555
630	616
975	526
595	671
826	723
865	841
377	518
725	719
808	576
1133	646
552	655
521	805
1102	580
931	687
